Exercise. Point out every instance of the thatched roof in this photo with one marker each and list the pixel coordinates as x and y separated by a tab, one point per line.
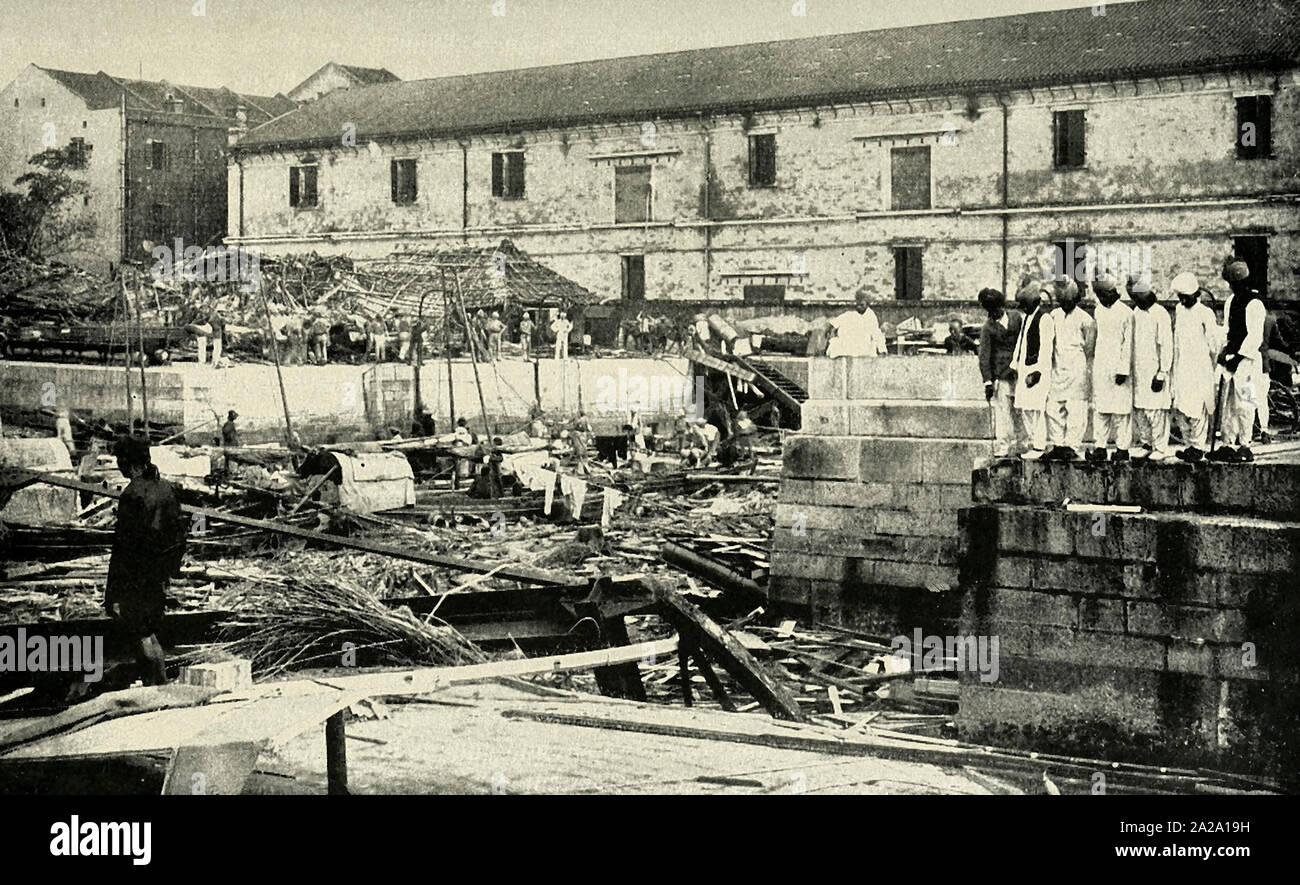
493	277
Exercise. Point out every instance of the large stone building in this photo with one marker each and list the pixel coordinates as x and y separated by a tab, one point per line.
157	155
918	163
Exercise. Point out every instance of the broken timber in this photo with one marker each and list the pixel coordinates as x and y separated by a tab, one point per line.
16	479
704	634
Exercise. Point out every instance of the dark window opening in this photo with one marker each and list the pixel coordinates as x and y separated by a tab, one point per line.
765	295
762	160
1255	127
404	185
1254	251
79	151
302	186
907	273
633	196
508	175
1068	139
1070	260
633	277
158	158
42	102
909	180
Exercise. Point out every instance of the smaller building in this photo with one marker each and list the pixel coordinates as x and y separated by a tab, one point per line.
335	76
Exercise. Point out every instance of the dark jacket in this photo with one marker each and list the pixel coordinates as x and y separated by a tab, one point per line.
998	346
230	435
148	544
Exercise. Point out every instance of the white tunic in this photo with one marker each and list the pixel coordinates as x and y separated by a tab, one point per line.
856	334
1033	398
1153	352
1075	334
1113	356
1196	347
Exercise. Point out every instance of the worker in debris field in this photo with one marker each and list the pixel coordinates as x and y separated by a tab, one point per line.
745	432
1073	340
708	436
1112	365
416	354
294	340
148	545
494	329
1153	361
996	348
218	324
1196	347
138	429
320	338
699	331
537	427
1031	371
561	328
377	331
229	432
403	324
856	332
463	436
958	342
526	329
1239	364
63	430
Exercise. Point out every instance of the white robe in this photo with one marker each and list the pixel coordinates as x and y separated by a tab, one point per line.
1033	398
1074	336
856	334
1153	352
1196	347
1113	356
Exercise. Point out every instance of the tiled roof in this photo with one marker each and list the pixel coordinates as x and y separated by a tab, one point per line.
1066	46
101	91
370	76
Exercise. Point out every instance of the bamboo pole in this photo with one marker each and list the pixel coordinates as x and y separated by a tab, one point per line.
487	425
275	355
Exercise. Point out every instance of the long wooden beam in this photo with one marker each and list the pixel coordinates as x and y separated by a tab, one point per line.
17	478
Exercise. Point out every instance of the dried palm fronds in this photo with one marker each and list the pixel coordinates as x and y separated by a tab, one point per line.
284	622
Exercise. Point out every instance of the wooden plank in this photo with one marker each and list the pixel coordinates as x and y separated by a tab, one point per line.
722	647
510	572
715	684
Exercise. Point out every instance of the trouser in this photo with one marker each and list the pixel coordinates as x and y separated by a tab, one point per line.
1107	426
202	341
1004	427
321	344
1031	430
1151	428
494	345
216	350
1066	420
526	344
1241	403
1261	400
1195	428
380	345
404	346
562	348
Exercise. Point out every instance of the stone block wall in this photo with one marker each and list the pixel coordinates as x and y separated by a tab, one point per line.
1171	635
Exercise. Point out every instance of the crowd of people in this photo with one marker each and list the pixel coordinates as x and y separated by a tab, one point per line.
1133	369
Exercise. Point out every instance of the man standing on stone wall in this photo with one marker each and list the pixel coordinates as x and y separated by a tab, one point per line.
1196	347
1112	365
1153	361
1243	319
857	332
1074	338
1031	370
997	348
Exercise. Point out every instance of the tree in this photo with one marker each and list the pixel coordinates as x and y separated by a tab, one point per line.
31	219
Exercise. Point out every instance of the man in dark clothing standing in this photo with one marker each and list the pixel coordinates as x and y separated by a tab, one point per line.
148	545
997	345
229	432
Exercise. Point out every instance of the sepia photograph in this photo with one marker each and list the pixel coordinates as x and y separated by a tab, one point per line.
650	398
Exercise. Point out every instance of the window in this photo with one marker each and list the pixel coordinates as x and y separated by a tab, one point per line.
15	102
909	178
762	161
157	157
1067	139
405	187
302	187
42	102
160	221
907	273
79	151
1254	251
508	175
634	278
633	197
765	295
1255	127
1070	259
